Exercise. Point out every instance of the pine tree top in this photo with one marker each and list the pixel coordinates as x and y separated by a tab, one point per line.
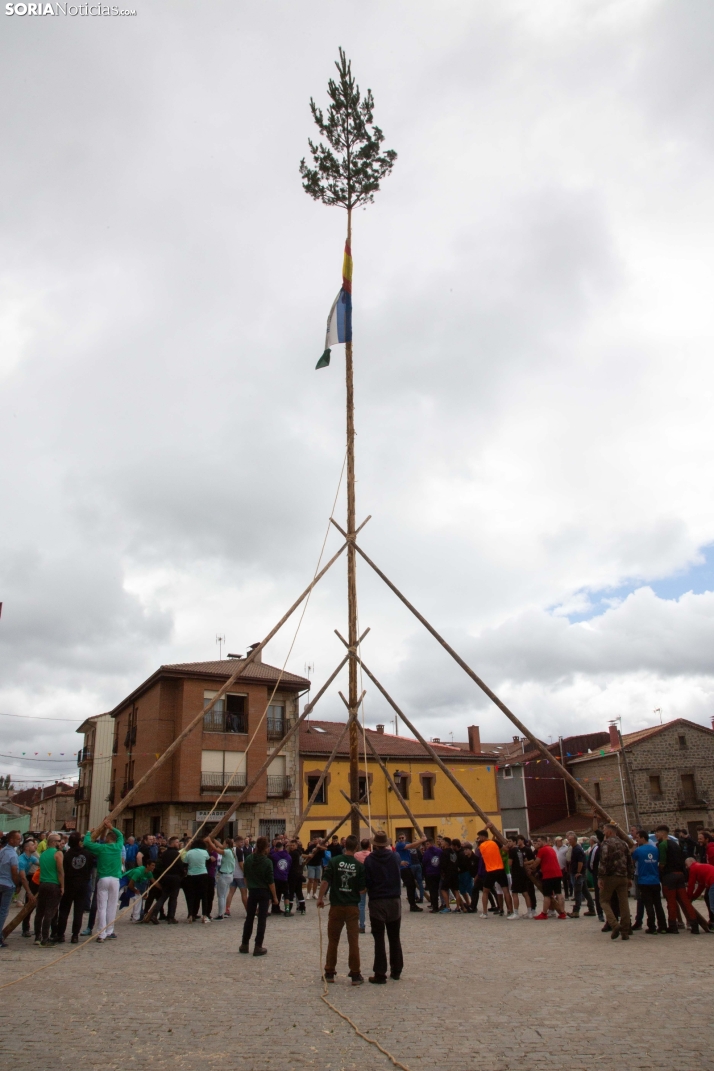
349	169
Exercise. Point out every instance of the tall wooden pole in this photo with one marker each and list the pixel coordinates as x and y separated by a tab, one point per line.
352	571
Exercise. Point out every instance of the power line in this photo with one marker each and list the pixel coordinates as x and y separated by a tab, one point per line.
38	717
28	758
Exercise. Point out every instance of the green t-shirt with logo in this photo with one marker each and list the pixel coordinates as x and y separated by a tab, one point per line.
346	877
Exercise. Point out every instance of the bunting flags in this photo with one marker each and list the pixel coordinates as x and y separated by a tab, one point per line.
339	322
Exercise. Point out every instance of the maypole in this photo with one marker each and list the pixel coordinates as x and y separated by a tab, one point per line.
347	172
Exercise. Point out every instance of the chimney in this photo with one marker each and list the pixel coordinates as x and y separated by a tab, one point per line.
614	738
436	739
474	739
380	729
252	648
712	723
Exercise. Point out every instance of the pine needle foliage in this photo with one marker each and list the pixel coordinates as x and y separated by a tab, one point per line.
349	169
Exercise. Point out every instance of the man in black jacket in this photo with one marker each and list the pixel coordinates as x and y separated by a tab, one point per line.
78	865
384	892
170	871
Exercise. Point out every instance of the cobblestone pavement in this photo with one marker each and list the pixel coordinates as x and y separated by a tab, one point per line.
476	994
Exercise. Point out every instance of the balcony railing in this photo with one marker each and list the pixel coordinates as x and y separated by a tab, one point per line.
215	781
224	721
691	803
279	786
126	787
81	792
130	737
276	728
84	755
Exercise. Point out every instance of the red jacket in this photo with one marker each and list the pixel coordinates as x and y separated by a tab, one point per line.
701	876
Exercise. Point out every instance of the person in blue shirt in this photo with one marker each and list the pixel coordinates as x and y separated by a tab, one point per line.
646	860
404	852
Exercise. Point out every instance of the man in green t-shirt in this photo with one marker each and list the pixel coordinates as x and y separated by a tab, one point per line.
108	855
344	876
260	879
50	890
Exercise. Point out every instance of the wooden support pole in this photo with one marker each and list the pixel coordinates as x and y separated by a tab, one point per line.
278	748
24	912
124	803
498	836
356	810
321	779
494	699
393	786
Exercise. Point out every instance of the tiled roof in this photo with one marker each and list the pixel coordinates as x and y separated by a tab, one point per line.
320	737
634	738
220	670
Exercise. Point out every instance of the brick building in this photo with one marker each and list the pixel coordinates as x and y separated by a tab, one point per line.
668	769
182	792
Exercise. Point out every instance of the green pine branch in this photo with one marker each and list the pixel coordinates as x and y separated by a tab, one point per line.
349	169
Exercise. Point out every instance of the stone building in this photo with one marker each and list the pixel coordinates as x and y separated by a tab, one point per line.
181	794
665	774
51	807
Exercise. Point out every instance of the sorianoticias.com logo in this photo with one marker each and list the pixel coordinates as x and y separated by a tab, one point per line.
67	9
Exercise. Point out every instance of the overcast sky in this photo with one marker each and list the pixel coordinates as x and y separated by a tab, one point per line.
533	349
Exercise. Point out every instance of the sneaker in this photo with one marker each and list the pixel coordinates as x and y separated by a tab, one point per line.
541	918
38	941
483	915
444	911
228	912
218	918
573	914
414	907
513	915
28	934
357	979
172	922
562	915
377	979
552	914
205	919
362	929
49	943
111	937
86	933
329	976
3	944
591	913
260	950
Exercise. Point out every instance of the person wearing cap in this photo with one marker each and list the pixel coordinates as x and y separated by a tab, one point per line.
382	876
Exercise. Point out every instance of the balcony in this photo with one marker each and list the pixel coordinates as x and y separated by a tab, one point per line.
277	727
691	803
224	721
126	787
81	792
279	786
213	782
84	755
130	737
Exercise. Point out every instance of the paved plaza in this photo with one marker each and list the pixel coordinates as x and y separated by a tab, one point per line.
476	995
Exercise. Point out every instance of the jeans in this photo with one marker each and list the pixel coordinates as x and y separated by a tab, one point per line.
580	890
223	884
652	904
362	909
418	879
386	915
199	895
338	917
258	901
409	885
432	885
107	900
6	895
617	886
72	898
48	900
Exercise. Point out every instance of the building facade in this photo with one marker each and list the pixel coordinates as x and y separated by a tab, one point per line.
94	760
436	803
52	808
665	774
215	756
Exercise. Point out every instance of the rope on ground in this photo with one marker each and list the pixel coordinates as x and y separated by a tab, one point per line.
358	1032
72	951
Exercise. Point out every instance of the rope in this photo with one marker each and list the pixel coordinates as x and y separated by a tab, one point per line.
129	907
358	1032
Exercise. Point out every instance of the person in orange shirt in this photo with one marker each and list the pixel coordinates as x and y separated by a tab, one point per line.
493	873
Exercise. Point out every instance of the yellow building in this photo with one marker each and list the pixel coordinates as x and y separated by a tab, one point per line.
437	805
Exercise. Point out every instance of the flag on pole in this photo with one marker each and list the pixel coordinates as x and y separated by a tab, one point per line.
339	322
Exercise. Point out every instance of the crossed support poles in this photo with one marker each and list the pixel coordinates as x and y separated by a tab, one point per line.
354	659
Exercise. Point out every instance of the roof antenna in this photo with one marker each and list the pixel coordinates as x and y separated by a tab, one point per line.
220	640
309	670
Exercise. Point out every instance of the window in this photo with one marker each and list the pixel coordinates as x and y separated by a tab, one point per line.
317	834
228	714
362	788
693	828
427	787
321	797
271	827
279	784
128	777
276	721
689	787
402	783
128	827
512	833
655	785
155	824
430	833
222	768
507	772
597	791
682	741
407	831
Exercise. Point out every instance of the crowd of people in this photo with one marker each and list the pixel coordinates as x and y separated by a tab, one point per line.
96	874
